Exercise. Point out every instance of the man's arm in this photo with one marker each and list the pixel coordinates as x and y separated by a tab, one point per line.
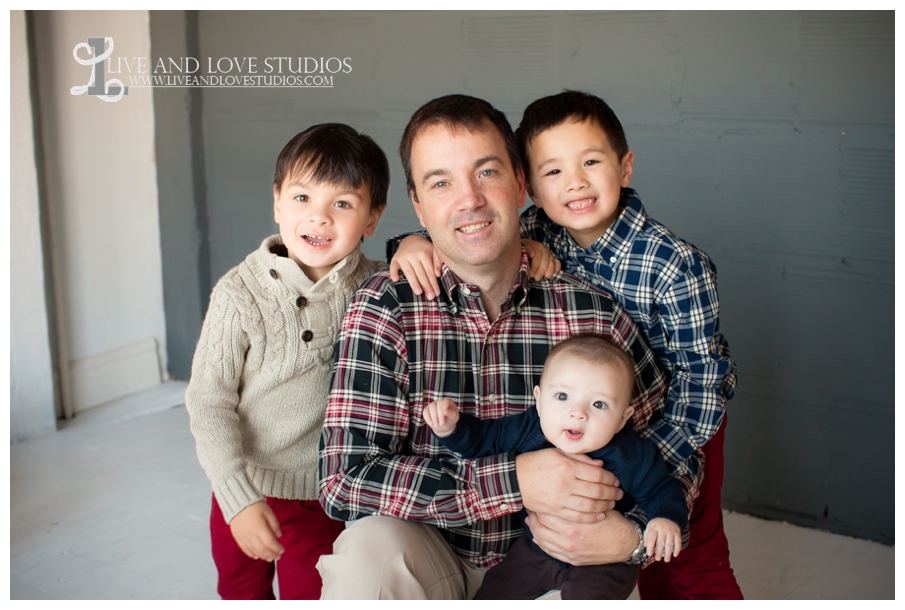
377	456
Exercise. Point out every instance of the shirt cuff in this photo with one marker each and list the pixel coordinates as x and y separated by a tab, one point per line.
497	486
235	494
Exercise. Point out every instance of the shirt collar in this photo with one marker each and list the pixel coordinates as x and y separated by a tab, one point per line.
456	288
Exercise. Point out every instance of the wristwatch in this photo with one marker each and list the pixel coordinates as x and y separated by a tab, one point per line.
639	555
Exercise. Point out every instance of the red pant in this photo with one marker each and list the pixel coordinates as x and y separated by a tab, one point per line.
308	533
702	570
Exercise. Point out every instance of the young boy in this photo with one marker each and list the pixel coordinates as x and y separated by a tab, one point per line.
261	372
579	169
583	403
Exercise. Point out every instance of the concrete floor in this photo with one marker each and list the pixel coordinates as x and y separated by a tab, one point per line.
115	506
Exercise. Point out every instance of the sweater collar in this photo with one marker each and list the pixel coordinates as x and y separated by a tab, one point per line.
273	266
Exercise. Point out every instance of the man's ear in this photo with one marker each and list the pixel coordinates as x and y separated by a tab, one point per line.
417	205
628	162
373	218
520	177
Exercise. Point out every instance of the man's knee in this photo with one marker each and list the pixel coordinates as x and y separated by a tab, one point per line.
386	558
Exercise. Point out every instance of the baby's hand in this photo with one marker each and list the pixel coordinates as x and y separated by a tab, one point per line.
662	539
442	416
541	261
417	259
256	529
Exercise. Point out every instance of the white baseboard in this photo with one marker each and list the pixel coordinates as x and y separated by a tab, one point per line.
114	374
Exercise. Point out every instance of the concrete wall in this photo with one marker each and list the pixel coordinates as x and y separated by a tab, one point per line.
765	138
32	411
101	197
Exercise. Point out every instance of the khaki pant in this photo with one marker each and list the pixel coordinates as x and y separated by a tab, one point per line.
387	558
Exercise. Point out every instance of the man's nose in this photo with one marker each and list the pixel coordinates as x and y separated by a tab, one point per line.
470	196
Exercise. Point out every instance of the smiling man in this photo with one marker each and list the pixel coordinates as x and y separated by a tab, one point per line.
425	523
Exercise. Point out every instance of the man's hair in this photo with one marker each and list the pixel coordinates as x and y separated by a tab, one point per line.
455	112
592	348
548	112
336	154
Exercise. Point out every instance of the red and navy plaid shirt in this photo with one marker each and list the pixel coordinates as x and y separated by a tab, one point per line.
397	352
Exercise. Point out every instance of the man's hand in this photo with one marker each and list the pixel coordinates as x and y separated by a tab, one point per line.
541	262
256	530
663	539
442	416
572	487
580	544
418	260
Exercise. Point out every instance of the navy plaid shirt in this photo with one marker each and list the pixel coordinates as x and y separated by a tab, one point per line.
669	288
397	352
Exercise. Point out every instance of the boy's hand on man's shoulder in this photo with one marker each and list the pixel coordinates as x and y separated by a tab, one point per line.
541	262
256	529
417	258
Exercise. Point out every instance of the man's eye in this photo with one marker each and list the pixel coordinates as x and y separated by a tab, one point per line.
599	404
342	204
487	173
561	396
441	184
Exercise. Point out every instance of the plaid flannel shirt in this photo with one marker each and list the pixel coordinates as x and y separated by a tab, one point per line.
668	287
397	352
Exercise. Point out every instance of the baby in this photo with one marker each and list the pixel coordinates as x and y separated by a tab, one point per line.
583	402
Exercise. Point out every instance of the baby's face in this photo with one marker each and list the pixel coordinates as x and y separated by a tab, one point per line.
582	404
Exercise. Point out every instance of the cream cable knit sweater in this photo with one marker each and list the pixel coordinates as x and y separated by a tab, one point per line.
261	374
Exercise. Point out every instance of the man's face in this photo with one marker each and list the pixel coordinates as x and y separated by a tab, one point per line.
581	404
467	195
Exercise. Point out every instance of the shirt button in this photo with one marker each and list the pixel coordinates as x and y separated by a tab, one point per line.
466	290
492	398
307	336
301	302
613	259
504	506
274	274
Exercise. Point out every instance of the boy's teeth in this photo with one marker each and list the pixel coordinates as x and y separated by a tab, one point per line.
577	205
473	228
317	240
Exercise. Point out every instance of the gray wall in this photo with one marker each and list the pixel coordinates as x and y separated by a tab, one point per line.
767	139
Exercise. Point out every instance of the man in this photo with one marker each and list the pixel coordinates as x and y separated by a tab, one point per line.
425	522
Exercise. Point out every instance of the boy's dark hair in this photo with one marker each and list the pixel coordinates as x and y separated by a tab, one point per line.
336	153
593	348
548	112
455	111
